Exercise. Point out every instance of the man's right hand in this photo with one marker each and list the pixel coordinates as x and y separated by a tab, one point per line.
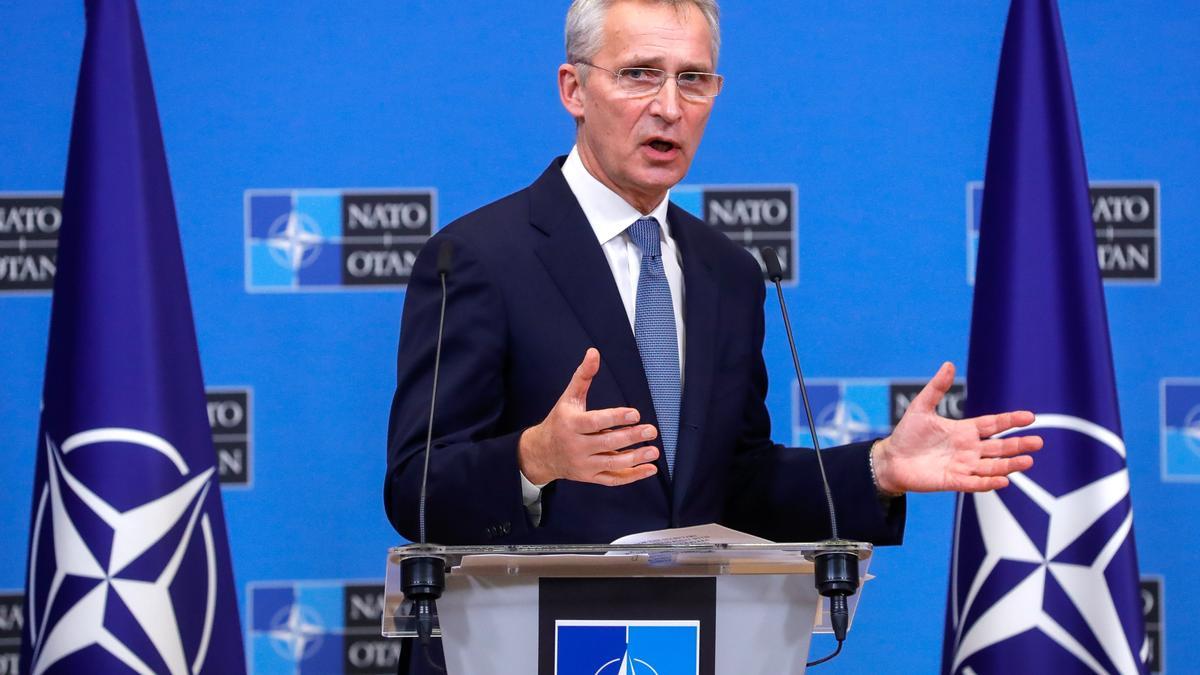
585	445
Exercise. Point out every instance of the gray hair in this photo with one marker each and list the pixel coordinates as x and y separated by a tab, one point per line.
585	25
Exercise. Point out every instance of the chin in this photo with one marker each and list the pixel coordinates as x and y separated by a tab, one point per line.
661	179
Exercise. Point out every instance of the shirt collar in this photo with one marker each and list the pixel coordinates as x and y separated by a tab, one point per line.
608	213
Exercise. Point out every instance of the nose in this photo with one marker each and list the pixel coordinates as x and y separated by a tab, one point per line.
666	102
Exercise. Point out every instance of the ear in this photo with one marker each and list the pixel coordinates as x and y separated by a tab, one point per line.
571	90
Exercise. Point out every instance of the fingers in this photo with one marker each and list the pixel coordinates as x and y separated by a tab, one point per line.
1002	466
1008	447
620	460
935	389
990	425
577	388
617	439
982	483
594	421
626	476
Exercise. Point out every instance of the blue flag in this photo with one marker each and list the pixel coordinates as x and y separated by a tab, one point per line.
1044	574
129	566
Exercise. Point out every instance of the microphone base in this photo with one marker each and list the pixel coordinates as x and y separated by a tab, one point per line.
836	578
422	579
836	573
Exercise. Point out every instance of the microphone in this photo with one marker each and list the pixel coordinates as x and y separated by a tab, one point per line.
423	578
836	571
445	253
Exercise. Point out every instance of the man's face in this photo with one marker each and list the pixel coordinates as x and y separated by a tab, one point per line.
641	146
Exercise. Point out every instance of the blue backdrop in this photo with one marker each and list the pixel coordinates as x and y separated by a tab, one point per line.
878	115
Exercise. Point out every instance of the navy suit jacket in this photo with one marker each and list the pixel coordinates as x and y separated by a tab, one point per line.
529	291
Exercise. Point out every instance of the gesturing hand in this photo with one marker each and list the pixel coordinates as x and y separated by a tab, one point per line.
927	452
583	445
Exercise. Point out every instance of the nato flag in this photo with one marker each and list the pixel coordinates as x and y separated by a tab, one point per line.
128	558
1044	573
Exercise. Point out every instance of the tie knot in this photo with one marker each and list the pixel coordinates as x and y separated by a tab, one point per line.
644	233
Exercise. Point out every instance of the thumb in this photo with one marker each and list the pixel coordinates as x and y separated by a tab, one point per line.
935	389
577	389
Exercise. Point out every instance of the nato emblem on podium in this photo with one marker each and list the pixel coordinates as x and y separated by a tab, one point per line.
627	626
627	647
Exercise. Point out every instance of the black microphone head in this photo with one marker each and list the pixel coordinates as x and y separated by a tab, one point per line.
445	253
771	261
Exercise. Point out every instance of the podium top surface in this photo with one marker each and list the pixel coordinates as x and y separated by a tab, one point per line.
590	559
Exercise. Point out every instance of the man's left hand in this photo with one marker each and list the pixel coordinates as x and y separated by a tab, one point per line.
928	453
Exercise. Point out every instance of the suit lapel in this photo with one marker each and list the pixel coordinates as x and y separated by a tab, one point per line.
701	307
575	261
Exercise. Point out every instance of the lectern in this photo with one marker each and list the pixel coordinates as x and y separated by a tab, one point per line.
665	609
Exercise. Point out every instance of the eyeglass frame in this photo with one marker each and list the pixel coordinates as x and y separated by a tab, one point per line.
673	76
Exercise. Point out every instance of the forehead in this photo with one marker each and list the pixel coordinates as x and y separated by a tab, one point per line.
654	34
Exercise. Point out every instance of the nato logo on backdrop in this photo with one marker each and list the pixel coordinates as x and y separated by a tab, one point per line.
1154	618
12	619
229	417
29	224
614	647
1126	217
1179	429
754	216
300	240
851	410
319	627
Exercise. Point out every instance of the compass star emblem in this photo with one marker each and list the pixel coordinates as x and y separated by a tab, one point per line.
126	571
294	240
1039	568
296	632
843	423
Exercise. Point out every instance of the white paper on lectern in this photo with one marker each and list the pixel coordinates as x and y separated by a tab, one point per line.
696	534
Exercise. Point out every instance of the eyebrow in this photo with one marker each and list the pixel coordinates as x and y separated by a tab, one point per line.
657	62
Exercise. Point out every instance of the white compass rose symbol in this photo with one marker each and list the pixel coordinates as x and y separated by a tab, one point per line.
296	632
294	240
842	423
121	576
1023	607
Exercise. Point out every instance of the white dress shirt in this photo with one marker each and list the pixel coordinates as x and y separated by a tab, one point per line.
610	217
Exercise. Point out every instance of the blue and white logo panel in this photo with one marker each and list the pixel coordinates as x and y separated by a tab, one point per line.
754	216
844	410
606	647
851	410
300	240
1180	429
318	627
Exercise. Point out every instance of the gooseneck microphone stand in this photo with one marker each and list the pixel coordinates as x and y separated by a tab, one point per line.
836	571
423	578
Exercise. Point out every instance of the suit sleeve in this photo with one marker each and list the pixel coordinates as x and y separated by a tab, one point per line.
776	491
474	491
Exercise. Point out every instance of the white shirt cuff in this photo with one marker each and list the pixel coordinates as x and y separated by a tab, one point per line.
530	492
531	496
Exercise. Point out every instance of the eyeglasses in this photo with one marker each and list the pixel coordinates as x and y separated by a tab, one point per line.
638	81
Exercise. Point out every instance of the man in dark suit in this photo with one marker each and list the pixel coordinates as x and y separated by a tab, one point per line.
602	371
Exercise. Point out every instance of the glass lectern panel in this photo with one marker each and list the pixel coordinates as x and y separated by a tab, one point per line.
613	560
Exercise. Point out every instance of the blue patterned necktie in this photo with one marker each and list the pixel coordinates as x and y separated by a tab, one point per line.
657	341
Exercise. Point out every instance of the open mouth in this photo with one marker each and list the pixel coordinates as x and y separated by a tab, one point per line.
661	145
